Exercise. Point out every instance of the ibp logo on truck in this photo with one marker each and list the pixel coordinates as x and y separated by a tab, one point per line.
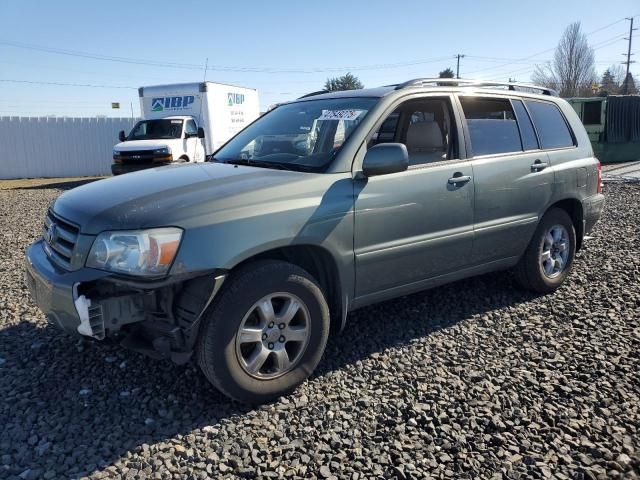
235	99
161	104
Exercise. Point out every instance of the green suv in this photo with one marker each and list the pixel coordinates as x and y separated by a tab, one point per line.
323	205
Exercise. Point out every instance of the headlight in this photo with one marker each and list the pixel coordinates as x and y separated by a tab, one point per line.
116	153
135	252
162	151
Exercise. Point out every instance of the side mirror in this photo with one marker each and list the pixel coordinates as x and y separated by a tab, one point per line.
200	132
121	136
385	158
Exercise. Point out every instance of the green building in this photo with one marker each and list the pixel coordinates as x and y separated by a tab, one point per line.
613	125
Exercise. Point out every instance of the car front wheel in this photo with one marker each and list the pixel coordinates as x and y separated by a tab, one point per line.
266	332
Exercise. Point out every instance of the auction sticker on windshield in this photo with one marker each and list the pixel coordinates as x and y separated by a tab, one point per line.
340	114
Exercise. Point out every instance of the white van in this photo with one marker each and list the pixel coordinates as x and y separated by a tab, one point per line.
184	122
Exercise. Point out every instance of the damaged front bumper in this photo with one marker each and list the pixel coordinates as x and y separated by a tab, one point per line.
159	318
55	291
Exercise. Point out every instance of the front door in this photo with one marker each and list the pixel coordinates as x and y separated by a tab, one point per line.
418	224
192	140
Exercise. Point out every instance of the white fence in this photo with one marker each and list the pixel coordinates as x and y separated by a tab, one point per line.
32	147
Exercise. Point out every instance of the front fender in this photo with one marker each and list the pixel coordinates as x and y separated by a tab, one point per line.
321	215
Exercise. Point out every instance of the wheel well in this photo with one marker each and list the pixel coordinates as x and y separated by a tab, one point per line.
574	208
319	263
184	157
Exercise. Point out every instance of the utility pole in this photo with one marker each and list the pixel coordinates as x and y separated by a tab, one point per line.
206	65
458	56
628	54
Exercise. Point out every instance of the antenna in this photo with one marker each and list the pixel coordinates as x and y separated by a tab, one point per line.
206	65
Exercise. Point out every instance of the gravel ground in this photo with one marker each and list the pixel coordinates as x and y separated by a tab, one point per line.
472	380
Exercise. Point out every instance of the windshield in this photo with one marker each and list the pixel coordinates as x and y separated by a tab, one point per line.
156	129
298	136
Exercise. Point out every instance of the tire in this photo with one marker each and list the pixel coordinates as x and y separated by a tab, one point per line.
226	361
182	159
530	271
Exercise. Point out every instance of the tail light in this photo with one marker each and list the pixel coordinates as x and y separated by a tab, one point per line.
599	185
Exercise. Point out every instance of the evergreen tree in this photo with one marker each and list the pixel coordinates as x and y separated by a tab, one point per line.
345	82
608	84
628	87
446	73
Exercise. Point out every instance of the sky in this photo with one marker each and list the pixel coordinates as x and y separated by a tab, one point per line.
282	48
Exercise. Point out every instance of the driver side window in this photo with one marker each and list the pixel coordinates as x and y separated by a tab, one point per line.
191	128
427	128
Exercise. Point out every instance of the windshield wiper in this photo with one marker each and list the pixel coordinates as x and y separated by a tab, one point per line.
238	161
294	167
263	164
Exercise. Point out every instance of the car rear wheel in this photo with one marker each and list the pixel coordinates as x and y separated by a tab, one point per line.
549	257
266	332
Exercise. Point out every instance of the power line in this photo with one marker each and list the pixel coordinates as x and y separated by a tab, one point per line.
109	86
65	84
549	49
191	66
599	45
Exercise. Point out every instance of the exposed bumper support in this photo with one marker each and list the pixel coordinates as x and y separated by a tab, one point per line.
160	318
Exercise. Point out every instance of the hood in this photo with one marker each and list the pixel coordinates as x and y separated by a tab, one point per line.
144	144
186	196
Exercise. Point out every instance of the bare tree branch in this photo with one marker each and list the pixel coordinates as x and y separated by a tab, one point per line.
572	70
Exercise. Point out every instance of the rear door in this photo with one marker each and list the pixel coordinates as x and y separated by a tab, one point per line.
417	224
514	180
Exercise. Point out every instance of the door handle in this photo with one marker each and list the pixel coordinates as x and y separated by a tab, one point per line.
458	179
538	166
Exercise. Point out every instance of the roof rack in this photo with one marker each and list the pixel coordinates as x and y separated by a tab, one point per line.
423	82
319	92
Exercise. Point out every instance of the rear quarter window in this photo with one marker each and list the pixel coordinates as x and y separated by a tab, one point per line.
528	134
552	128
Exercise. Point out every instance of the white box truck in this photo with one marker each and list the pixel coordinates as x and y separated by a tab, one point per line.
184	122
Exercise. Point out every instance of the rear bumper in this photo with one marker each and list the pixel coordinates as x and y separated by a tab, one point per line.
592	210
55	290
120	168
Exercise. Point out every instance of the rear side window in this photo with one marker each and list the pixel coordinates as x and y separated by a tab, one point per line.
492	125
528	134
550	124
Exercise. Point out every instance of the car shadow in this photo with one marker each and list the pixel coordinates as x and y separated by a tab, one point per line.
75	407
62	185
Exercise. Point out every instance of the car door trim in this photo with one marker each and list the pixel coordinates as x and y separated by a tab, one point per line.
415	242
431	282
510	222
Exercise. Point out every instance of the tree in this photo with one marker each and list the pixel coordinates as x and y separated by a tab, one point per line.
618	73
572	70
628	87
608	84
613	80
345	82
446	73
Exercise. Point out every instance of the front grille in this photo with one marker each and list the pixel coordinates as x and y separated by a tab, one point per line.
60	237
136	153
135	157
